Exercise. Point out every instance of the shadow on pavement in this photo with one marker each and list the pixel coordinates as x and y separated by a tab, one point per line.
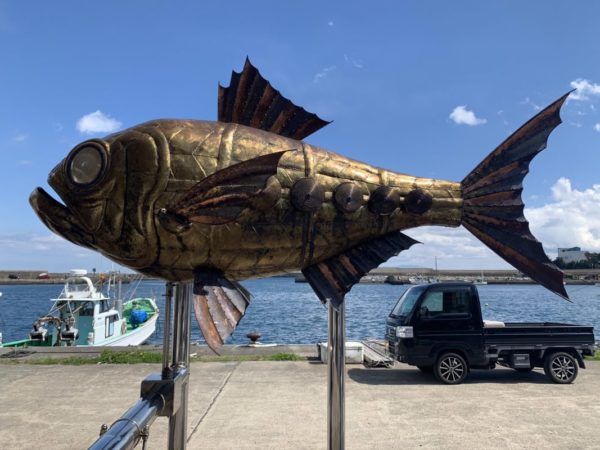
416	377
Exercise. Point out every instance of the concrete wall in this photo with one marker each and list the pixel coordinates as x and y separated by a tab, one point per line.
22	274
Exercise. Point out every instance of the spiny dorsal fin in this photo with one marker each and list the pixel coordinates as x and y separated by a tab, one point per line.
333	278
251	100
221	197
493	208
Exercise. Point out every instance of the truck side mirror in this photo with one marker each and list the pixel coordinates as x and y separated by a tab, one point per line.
423	311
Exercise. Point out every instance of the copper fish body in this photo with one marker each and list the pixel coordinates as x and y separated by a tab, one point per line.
245	197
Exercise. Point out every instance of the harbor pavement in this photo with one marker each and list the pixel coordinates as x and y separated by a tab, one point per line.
281	405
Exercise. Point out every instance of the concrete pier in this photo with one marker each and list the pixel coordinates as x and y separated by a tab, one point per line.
282	405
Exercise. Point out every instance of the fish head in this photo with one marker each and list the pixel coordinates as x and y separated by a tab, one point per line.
108	188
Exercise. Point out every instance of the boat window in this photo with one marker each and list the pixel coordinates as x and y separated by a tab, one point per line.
87	309
104	306
78	287
110	325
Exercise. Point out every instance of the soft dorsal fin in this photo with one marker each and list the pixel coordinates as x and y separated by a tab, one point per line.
251	100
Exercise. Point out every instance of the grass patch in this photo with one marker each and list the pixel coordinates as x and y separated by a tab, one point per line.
596	357
235	358
283	357
110	357
105	357
143	357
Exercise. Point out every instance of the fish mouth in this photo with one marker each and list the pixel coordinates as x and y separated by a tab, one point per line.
59	219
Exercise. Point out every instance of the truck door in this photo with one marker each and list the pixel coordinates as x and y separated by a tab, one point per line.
447	319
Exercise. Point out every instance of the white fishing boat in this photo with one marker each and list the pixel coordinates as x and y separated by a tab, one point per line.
83	315
481	280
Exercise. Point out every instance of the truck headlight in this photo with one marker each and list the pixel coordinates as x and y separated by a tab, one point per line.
404	332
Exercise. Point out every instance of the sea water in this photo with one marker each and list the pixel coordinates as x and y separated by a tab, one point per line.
286	312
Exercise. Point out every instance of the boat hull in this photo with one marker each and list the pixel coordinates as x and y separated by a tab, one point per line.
137	336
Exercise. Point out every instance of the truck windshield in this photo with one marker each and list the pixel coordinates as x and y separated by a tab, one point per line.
407	302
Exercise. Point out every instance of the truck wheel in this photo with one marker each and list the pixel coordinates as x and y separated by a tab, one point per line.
560	367
451	368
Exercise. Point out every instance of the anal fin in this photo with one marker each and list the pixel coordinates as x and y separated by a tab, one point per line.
219	305
333	278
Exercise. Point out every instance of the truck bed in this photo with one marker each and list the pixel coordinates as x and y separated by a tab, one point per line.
538	334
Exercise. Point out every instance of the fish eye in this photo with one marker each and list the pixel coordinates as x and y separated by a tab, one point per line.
86	163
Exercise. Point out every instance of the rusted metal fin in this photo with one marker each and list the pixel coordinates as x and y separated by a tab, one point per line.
333	278
219	305
222	196
251	100
493	207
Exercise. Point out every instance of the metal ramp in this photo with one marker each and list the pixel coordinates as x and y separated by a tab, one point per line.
375	354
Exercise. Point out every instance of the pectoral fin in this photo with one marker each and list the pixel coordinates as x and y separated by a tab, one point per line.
219	305
221	197
333	278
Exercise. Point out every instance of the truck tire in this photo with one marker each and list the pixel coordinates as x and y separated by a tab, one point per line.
450	368
560	367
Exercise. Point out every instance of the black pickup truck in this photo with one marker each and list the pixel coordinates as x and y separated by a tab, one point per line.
439	327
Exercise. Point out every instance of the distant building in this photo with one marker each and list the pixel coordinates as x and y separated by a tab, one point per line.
571	255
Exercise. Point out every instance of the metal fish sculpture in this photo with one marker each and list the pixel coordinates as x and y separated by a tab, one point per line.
245	197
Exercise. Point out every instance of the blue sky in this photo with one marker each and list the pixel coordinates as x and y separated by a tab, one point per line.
391	75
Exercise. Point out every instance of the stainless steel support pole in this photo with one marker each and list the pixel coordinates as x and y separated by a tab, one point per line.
176	324
181	359
336	353
167	329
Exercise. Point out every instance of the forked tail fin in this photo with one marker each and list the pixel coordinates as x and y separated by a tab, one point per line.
493	208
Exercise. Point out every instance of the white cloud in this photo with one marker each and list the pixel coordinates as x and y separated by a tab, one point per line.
584	89
323	73
330	23
597	127
19	137
528	101
461	115
572	219
354	62
454	248
97	122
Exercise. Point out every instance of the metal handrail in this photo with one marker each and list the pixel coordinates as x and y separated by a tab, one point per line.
127	431
163	394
